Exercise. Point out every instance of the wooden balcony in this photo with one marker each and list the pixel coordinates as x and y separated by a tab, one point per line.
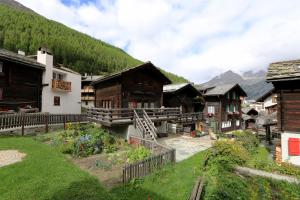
115	117
59	85
87	90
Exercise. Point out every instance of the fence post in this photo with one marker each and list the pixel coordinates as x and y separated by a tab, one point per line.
64	122
47	122
23	124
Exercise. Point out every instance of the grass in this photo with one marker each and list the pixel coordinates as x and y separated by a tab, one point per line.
45	174
172	182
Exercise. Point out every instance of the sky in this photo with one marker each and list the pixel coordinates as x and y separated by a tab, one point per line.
197	39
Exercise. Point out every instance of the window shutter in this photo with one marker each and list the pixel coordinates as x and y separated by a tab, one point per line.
294	146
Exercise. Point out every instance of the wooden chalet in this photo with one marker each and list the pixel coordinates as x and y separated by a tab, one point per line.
269	101
87	90
223	107
20	82
137	87
285	77
249	116
184	96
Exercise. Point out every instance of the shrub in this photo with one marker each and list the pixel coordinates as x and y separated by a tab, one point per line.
221	184
248	140
137	154
226	154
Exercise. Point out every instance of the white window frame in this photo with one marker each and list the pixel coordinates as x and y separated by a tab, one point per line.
211	109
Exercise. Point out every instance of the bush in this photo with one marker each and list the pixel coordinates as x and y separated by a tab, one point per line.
137	154
248	140
221	184
226	154
83	140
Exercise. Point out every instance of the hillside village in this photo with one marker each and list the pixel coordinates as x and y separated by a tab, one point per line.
120	128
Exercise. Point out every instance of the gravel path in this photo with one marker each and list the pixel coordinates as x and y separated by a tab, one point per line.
8	157
255	172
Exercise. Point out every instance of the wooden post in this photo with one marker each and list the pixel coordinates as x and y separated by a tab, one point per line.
65	122
47	123
23	124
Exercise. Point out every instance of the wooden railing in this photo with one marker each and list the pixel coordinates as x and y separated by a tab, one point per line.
137	122
109	115
22	121
161	156
91	98
150	124
61	85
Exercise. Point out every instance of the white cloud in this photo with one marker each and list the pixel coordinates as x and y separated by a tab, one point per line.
196	38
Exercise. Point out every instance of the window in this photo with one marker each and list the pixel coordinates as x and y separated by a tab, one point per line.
57	101
234	108
233	95
1	93
226	124
227	108
146	105
228	95
106	104
139	105
1	67
211	109
151	105
86	103
237	123
274	99
57	76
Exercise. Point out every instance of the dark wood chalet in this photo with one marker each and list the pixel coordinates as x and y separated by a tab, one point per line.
285	77
249	117
138	87
223	107
20	82
184	96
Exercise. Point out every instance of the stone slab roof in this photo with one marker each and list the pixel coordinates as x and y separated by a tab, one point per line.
148	64
285	70
222	90
14	57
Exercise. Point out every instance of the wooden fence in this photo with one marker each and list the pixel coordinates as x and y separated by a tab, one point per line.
162	156
11	121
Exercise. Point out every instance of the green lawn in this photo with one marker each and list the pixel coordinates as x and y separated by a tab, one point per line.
45	174
170	183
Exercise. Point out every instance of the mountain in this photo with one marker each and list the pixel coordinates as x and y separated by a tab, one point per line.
227	77
253	83
21	28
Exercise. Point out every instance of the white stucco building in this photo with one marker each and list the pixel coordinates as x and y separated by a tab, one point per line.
62	86
269	101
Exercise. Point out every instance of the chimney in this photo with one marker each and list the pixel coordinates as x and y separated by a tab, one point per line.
20	52
44	56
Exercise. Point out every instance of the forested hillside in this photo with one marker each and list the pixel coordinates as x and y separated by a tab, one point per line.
21	29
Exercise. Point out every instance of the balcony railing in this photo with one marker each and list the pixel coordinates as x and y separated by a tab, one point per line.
87	90
60	85
88	98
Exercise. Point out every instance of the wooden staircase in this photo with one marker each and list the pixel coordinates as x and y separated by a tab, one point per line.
144	125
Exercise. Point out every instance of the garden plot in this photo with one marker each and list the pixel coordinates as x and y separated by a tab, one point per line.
96	151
